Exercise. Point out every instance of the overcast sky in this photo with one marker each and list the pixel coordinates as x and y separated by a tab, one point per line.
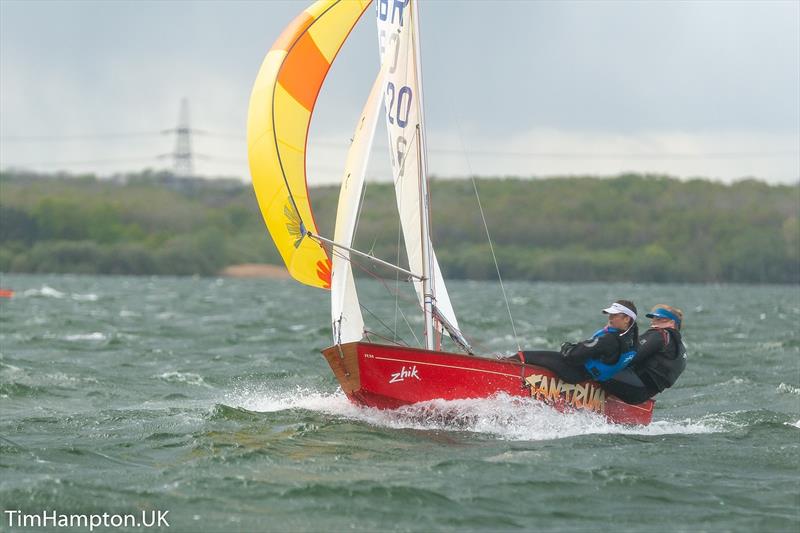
708	89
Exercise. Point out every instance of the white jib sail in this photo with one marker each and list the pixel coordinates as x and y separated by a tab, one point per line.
347	321
403	101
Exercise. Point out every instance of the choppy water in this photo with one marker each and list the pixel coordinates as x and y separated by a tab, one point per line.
209	398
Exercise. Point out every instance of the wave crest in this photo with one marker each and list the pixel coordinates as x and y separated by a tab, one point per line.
502	416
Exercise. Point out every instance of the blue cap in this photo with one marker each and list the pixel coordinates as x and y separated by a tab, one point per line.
660	312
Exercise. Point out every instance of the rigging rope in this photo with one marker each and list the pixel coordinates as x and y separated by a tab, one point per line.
397	278
397	305
496	265
412	300
381	279
488	236
367	333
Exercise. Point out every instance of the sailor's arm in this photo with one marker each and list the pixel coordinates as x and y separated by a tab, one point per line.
601	348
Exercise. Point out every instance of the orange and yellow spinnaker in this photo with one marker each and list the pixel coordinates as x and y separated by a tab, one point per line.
281	105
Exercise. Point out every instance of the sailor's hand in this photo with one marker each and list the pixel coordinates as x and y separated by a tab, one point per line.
567	347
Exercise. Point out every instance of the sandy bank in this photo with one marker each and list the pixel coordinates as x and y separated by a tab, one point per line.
254	270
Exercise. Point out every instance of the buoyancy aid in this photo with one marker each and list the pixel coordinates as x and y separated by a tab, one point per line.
663	368
602	371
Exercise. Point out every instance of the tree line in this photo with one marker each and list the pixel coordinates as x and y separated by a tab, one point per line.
626	228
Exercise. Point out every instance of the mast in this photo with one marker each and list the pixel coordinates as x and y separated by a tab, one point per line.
427	285
428	288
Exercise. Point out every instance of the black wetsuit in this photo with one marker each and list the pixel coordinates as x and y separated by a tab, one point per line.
569	362
660	359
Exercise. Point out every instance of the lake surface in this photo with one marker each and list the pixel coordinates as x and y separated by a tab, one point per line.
208	398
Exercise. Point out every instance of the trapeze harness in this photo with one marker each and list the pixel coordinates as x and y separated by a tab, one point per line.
601	371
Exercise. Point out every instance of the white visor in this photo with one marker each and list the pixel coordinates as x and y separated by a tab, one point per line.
616	308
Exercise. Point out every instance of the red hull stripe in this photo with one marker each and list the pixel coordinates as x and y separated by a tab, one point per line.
445	366
632	405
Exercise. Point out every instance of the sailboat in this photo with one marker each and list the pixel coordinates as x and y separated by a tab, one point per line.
282	101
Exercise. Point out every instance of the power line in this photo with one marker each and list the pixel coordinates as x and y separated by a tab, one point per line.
70	138
114	136
622	155
183	156
106	161
454	151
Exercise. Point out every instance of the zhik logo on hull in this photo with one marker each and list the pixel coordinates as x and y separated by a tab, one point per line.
403	374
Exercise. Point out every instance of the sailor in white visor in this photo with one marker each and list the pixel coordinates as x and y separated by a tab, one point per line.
617	308
599	357
621	316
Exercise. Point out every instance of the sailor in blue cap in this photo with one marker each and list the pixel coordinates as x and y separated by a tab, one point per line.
659	361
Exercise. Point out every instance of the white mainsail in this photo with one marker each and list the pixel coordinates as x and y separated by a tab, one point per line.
348	323
403	105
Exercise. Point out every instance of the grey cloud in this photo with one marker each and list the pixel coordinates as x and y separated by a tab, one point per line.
495	69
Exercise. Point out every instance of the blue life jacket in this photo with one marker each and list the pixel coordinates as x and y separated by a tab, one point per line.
601	371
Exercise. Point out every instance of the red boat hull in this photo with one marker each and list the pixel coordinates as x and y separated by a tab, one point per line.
387	377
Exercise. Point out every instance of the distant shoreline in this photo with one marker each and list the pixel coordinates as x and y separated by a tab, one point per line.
639	228
255	270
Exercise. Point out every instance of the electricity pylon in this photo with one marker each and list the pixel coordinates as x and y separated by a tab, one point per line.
182	158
